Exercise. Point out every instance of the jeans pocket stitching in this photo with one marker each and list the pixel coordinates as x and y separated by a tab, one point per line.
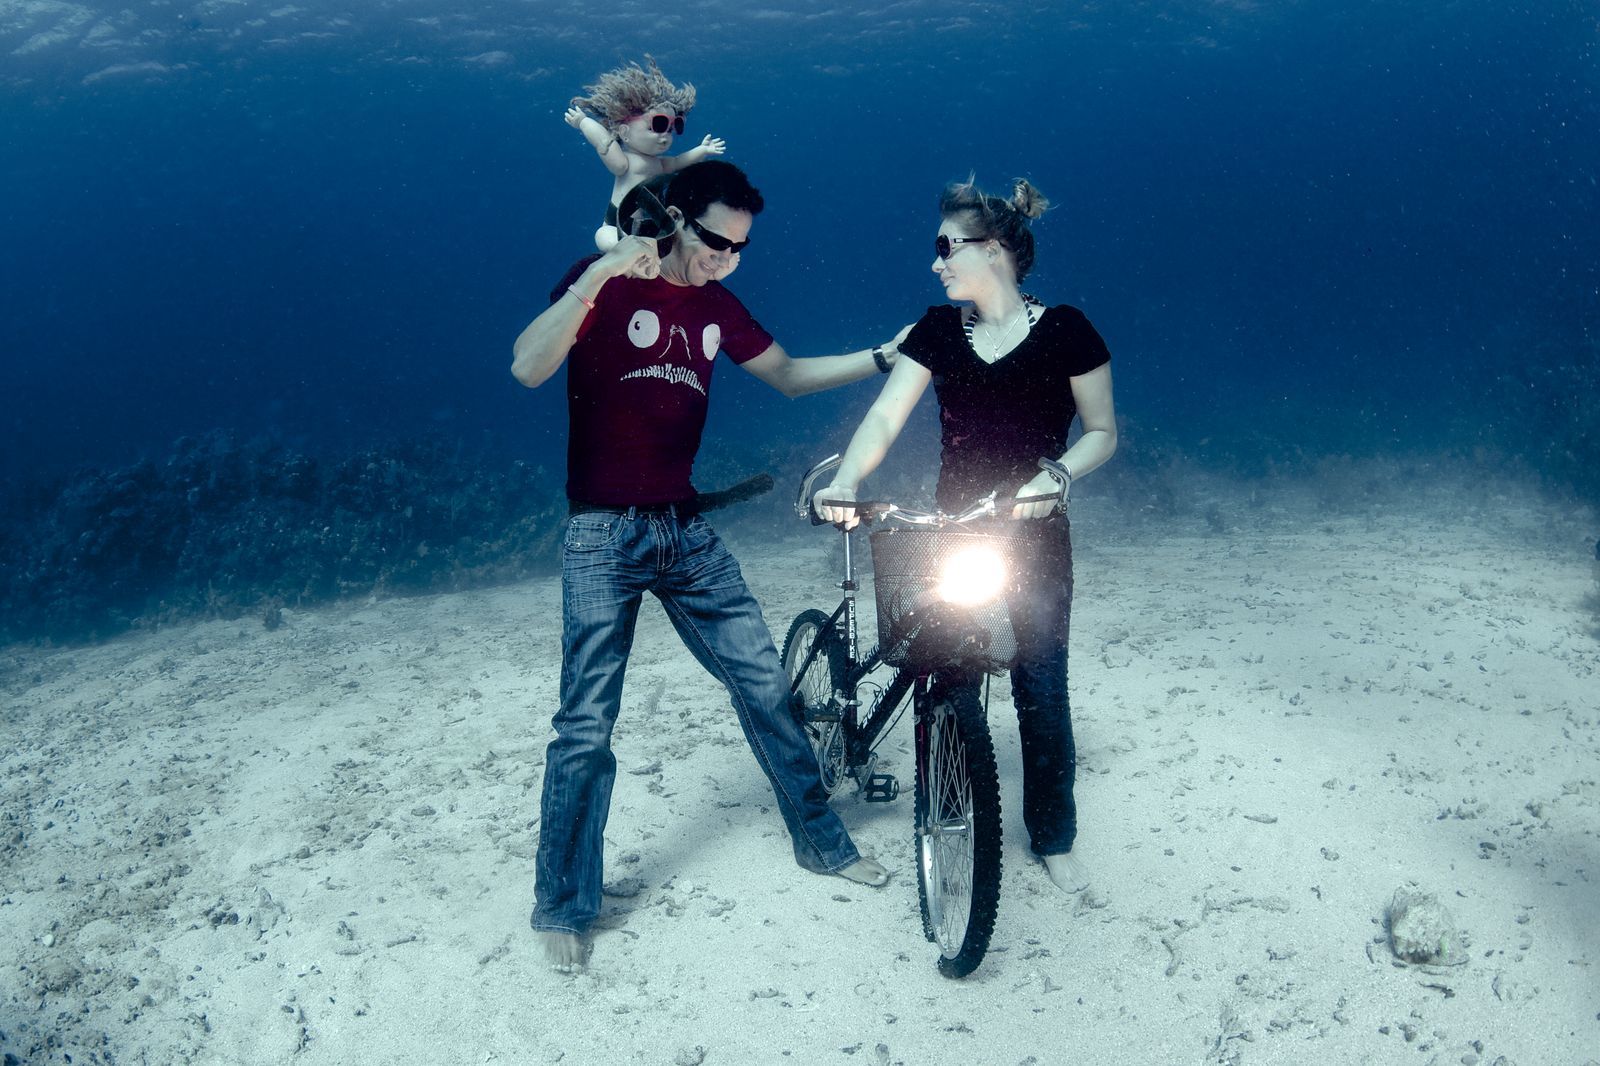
592	532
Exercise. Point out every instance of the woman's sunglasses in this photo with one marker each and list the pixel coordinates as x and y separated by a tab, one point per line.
943	246
716	241
660	123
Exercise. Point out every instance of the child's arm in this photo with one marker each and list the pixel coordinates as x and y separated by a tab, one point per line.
604	142
709	146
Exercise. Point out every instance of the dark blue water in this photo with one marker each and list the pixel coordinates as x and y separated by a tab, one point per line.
1334	224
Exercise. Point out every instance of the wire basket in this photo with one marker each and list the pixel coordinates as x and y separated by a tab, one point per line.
906	564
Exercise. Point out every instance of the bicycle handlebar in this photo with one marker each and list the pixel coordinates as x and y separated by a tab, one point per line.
871	510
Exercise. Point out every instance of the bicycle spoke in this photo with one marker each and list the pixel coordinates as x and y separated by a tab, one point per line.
813	659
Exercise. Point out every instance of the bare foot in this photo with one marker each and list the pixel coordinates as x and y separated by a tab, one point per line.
1066	871
566	952
865	871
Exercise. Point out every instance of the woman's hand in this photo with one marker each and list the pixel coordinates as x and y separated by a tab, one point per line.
1039	486
838	515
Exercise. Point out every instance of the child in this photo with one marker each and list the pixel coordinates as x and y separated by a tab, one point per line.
630	117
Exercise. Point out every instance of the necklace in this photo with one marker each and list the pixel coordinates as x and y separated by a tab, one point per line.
995	346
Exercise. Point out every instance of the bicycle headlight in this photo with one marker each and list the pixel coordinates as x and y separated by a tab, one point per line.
972	576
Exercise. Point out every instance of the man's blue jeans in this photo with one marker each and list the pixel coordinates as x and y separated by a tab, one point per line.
609	561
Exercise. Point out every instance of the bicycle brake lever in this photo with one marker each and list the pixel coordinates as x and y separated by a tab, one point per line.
984	508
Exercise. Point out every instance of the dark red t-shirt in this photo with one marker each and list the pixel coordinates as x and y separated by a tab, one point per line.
996	420
638	380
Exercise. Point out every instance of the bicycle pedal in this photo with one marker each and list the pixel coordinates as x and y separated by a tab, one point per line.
880	788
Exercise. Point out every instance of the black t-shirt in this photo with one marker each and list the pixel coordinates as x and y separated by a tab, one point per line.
997	420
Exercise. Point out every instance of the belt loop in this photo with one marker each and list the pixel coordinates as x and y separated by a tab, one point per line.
633	512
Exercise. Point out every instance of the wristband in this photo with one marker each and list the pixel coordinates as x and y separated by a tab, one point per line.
877	357
584	300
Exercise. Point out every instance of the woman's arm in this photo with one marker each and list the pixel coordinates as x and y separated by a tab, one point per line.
878	430
1097	412
1092	393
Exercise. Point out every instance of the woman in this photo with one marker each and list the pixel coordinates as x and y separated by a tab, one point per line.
1010	374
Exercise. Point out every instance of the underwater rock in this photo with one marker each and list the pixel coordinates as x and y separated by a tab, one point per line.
219	529
1422	930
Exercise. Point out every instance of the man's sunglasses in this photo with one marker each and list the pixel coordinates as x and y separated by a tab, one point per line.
943	246
660	123
716	241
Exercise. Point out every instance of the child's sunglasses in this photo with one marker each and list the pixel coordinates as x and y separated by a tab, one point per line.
660	123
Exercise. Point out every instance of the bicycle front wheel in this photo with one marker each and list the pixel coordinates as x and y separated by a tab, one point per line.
814	661
958	830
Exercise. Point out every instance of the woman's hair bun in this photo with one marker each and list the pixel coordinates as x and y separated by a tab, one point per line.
1027	201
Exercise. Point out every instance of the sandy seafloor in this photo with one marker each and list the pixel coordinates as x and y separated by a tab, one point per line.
228	844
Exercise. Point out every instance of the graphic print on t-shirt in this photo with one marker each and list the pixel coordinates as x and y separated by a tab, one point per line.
644	331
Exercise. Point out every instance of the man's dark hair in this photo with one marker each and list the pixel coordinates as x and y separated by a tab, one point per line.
698	186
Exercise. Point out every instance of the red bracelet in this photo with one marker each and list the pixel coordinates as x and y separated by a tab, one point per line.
584	300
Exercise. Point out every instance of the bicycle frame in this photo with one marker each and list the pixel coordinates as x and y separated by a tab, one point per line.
928	621
862	737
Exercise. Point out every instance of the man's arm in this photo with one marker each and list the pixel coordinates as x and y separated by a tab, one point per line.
542	347
797	377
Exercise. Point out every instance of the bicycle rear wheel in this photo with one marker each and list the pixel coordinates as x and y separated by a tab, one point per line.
812	686
958	830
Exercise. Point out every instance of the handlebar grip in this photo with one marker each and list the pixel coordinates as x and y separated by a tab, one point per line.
866	509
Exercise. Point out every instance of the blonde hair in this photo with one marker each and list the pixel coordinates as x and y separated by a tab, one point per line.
991	218
620	94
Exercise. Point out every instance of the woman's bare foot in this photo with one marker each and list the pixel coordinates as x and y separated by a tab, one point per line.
566	952
1066	871
865	871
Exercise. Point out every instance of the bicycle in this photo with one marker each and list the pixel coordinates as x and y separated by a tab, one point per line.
939	588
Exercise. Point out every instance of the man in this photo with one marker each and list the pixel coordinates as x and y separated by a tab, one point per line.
643	325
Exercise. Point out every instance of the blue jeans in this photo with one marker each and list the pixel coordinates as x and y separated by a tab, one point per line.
609	561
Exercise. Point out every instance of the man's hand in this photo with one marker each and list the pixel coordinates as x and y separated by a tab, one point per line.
842	494
1039	486
631	257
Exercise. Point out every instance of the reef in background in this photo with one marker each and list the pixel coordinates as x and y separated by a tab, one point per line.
224	528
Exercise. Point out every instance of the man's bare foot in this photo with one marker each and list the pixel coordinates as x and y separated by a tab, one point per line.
566	952
1066	871
865	871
